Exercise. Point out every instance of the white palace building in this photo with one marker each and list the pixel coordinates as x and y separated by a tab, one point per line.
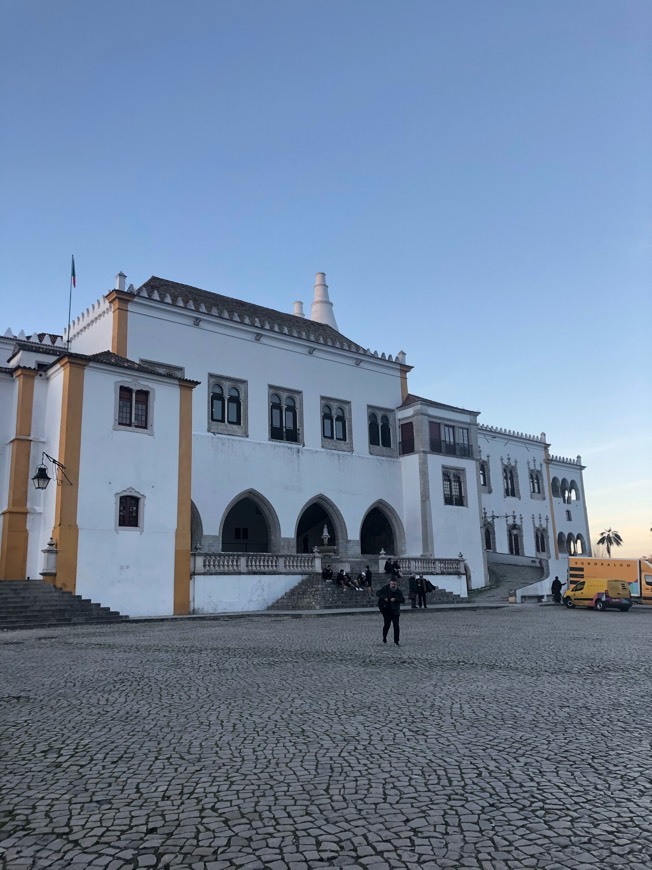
207	454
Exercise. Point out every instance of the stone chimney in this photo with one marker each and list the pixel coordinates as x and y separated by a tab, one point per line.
322	307
298	309
120	282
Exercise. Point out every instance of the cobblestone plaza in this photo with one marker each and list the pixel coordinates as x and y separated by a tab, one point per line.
496	738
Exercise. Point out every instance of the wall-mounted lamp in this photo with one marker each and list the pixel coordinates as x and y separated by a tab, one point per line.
311	350
358	362
258	336
41	479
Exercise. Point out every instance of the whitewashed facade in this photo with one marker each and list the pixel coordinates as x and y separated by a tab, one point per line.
255	433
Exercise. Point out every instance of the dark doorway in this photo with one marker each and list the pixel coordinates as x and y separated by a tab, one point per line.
311	527
377	534
245	529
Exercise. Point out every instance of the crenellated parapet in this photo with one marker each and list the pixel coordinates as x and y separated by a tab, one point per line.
495	430
47	339
565	461
88	318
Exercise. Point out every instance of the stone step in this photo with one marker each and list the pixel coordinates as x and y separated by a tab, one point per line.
313	593
32	603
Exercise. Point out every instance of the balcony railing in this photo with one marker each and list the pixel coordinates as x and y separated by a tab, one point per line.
448	449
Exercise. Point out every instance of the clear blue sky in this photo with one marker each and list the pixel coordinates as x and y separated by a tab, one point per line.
474	178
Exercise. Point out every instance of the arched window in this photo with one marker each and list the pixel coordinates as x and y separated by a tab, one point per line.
374	430
340	424
535	483
483	474
453	488
327	422
284	417
514	540
276	417
234	407
385	432
217	404
508	480
291	429
488	543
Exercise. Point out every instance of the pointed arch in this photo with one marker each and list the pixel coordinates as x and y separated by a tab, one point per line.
306	538
395	525
556	490
196	527
264	509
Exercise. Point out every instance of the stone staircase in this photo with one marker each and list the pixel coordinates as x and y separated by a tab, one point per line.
37	604
505	578
313	593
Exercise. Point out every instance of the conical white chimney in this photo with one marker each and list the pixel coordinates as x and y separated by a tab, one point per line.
322	308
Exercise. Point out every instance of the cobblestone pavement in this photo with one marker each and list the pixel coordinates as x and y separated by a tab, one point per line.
509	738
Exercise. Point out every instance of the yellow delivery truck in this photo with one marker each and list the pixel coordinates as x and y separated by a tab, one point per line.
636	572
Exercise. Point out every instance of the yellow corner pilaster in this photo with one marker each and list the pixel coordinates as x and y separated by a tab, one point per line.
119	302
66	531
15	537
182	535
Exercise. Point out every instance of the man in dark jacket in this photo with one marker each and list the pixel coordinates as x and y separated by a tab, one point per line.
390	599
422	591
556	590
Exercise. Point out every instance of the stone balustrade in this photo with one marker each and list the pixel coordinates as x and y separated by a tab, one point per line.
425	565
307	563
255	563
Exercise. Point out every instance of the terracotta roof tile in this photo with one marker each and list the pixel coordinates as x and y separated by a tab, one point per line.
236	309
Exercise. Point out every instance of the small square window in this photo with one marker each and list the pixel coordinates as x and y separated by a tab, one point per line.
134	408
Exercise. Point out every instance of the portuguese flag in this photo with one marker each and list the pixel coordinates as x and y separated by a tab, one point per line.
73	274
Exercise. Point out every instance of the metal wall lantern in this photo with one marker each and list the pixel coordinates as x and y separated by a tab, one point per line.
42	479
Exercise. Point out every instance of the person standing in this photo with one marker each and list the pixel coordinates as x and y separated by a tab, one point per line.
555	589
422	590
412	591
368	577
390	599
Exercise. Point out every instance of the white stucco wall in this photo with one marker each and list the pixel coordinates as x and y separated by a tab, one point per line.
236	593
92	330
494	447
288	476
457	528
127	569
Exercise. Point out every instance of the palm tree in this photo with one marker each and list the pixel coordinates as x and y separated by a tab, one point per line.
610	539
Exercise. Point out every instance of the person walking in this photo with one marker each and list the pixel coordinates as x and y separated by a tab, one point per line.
390	599
422	590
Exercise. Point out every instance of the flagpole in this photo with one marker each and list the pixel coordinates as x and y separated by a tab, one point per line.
72	280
